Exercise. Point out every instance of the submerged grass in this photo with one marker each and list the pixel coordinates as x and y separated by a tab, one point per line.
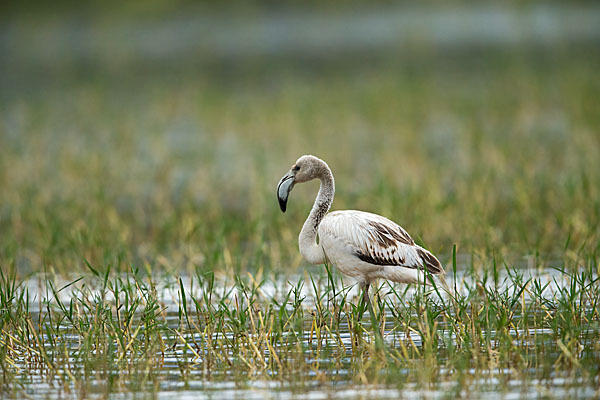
126	334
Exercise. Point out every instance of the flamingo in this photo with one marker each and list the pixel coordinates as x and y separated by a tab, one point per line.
360	244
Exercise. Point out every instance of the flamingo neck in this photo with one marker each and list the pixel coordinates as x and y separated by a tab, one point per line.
310	250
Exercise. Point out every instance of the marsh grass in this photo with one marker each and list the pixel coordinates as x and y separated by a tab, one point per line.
123	331
142	250
177	170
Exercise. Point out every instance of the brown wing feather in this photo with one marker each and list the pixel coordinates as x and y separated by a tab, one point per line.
432	264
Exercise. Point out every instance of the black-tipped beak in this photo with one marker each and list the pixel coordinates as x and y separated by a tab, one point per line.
285	186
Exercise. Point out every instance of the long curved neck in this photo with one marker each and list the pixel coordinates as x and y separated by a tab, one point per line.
310	250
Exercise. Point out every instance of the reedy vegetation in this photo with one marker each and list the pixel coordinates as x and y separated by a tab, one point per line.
130	182
117	331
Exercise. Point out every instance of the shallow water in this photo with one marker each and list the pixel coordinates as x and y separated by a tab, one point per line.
168	286
177	372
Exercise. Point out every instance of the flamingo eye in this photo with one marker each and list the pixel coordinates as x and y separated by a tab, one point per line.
296	168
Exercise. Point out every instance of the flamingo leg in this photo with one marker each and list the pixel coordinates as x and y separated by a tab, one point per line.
365	288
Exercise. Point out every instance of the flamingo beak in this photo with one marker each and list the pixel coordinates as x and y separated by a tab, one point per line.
285	186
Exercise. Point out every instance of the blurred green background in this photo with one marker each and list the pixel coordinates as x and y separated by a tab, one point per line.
155	133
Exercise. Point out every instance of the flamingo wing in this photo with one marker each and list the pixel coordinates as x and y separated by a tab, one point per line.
377	240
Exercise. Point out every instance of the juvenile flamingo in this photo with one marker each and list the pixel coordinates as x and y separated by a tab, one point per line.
362	245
